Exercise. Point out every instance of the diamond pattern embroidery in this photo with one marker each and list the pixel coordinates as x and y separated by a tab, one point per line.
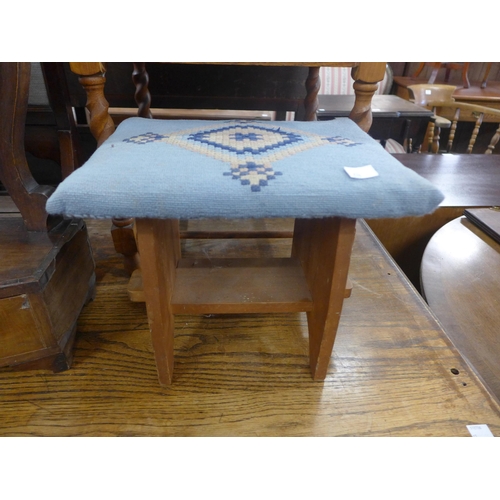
145	138
254	174
249	148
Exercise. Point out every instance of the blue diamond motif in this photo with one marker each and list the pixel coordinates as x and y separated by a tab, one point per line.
244	139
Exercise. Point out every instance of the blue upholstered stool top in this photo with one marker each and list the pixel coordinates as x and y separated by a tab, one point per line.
235	169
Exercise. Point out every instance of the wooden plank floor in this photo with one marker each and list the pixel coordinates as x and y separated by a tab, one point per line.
247	375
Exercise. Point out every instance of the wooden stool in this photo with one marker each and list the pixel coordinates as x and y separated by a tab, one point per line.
313	279
184	169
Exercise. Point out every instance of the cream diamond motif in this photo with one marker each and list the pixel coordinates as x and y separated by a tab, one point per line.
249	148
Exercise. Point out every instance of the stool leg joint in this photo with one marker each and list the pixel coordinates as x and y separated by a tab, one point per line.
323	247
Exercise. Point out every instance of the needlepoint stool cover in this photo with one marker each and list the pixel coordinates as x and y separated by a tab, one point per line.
241	169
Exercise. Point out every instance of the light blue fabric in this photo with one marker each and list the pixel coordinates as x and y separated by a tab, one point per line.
208	169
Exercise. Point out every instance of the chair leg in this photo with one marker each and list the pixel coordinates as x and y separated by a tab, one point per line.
122	232
493	142
324	248
475	132
159	247
485	76
435	140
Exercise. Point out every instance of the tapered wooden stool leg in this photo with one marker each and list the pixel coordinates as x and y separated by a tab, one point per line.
324	249
159	246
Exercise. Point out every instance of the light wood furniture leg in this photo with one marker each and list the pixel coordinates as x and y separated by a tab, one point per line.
159	245
367	77
92	78
313	280
435	140
140	78
324	249
485	76
493	142
311	103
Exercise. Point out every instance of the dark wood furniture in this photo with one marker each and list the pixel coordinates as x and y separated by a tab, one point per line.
461	283
199	87
466	181
51	138
46	269
318	244
393	117
149	95
45	279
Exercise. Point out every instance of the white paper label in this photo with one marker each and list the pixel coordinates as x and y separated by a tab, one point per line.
365	172
480	431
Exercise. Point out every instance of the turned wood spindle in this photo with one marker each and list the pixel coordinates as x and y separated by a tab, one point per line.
493	142
313	84
435	139
453	130
477	126
140	78
123	229
101	125
92	78
362	110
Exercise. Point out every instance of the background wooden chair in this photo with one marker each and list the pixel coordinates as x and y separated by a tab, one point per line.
482	76
423	95
448	67
449	113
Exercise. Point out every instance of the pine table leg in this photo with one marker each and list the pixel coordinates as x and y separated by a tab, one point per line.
324	249
159	246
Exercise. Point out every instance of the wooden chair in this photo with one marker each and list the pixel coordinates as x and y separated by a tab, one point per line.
50	123
176	170
103	118
423	95
448	67
448	113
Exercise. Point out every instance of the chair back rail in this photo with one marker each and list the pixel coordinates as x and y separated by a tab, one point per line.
439	99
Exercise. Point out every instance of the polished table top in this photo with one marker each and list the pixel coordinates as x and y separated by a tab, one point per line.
393	117
461	282
383	106
465	180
